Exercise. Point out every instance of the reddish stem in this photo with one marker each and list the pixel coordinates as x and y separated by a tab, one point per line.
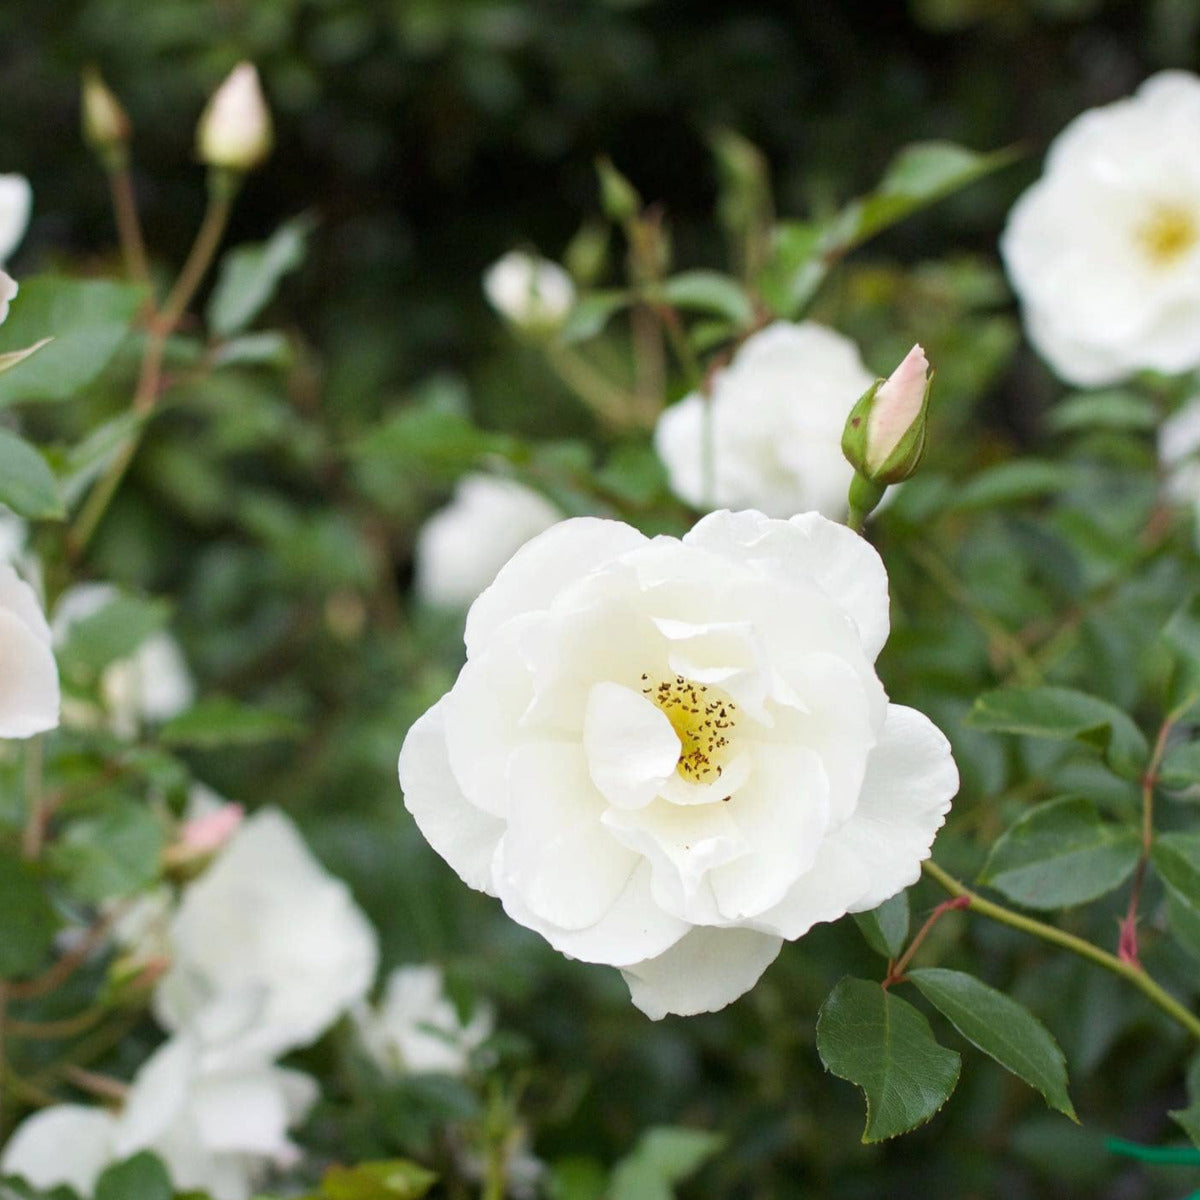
896	970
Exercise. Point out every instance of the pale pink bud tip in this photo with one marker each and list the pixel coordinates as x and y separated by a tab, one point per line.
897	405
207	834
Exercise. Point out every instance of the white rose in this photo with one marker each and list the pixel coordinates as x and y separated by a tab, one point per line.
235	129
29	692
16	203
531	292
671	755
417	1029
1179	454
152	685
216	1129
268	925
1104	250
776	415
8	293
462	546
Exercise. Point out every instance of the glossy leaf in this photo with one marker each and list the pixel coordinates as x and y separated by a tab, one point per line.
1001	1028
112	854
886	927
27	485
1060	854
881	1043
222	721
250	276
142	1177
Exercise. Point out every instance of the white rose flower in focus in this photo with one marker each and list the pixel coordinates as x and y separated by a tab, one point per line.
777	413
462	546
533	293
16	203
268	925
416	1029
671	755
29	691
152	685
1104	249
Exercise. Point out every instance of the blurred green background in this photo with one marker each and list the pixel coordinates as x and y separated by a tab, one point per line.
426	137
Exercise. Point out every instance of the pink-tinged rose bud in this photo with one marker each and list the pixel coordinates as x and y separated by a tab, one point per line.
897	406
235	132
201	837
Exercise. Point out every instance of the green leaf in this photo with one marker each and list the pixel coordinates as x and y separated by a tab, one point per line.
250	276
86	462
591	314
1054	712
885	1046
1013	483
27	921
142	1177
1104	410
662	1158
1181	766
88	320
886	927
1176	858
222	721
709	291
1181	634
1000	1027
398	1179
441	442
1188	1119
1060	854
27	485
112	854
113	632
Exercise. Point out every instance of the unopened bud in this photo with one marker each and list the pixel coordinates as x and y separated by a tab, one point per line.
533	293
884	437
586	254
106	125
235	132
201	837
618	197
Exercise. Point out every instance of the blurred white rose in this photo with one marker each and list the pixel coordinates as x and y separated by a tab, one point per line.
462	546
533	293
416	1028
16	203
141	926
670	755
8	293
776	414
1104	249
14	537
235	129
266	925
29	691
152	685
217	1129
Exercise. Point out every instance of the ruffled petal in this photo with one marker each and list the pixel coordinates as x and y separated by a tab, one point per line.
630	744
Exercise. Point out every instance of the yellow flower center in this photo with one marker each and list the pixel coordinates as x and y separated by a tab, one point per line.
1167	234
703	717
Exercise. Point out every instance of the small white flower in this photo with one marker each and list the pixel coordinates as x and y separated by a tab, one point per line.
16	203
29	691
776	414
1104	250
416	1029
152	685
462	546
235	130
531	292
671	755
267	925
217	1128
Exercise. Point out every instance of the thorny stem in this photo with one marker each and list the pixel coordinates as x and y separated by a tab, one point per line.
1154	992
149	385
896	970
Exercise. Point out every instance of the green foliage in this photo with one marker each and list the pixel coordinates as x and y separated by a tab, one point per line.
222	721
881	1043
141	1177
27	485
396	1180
27	919
662	1158
111	855
886	927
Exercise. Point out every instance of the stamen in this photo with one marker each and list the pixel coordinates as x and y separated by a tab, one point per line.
1168	233
702	718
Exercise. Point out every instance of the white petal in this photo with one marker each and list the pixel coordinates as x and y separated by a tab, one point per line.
465	836
833	886
542	568
679	443
29	690
630	744
16	201
703	972
20	599
845	566
911	779
159	1095
64	1144
556	854
634	928
242	1112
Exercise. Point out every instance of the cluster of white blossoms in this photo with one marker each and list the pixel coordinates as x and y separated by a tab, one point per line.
672	755
462	546
1104	249
768	436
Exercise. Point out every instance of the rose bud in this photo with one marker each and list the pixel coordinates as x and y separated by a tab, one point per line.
106	125
235	132
884	437
533	293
